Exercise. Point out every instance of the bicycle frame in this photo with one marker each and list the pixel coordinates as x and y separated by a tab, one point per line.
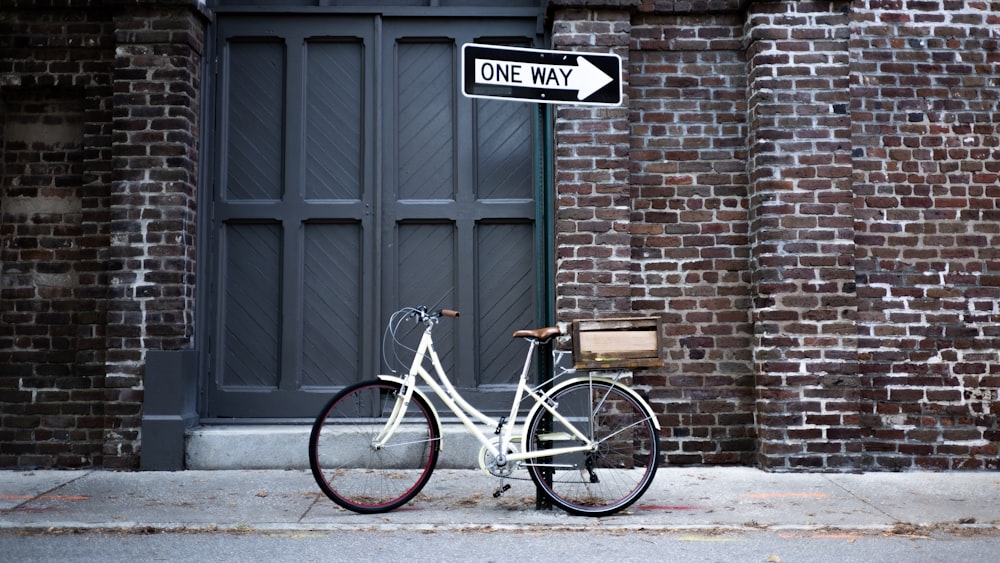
370	453
466	412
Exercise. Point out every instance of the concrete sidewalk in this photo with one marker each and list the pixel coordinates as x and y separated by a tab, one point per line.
713	498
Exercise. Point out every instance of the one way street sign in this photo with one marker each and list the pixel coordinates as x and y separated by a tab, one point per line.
535	75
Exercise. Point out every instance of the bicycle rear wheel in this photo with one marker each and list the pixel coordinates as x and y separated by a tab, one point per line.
349	467
618	472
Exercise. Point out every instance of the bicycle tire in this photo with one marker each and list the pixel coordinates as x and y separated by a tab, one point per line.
358	476
605	481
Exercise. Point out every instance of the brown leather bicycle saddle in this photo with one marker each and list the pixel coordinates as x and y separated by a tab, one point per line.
540	334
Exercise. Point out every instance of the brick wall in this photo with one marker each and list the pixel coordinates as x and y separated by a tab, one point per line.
812	194
688	229
54	231
592	181
668	189
806	192
100	110
925	91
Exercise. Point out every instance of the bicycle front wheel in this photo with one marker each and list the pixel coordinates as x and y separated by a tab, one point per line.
614	474
354	470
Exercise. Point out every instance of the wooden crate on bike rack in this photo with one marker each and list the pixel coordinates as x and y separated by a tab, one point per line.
617	343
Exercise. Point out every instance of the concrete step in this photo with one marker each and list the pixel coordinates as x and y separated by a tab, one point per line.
220	447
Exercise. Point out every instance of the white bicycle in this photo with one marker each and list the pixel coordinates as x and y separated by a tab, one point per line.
589	443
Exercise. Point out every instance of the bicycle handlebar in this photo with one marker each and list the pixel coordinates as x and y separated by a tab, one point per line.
423	315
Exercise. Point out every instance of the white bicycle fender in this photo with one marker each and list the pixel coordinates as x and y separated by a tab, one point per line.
628	390
430	405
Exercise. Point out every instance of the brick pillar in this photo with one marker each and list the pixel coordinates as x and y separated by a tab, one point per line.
155	159
592	179
801	234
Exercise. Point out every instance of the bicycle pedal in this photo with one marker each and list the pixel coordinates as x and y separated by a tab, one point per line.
500	491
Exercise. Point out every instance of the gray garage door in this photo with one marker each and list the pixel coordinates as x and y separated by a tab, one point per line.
354	178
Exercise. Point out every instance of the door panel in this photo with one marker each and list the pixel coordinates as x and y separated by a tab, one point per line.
332	278
255	101
506	297
334	120
354	179
252	305
425	143
504	163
